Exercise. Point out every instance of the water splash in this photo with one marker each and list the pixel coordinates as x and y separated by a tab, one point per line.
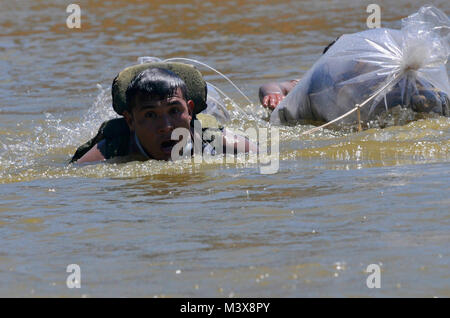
50	140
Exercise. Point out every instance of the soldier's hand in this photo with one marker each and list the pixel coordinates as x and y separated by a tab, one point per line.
272	100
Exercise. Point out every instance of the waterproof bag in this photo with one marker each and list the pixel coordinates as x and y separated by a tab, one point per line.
376	70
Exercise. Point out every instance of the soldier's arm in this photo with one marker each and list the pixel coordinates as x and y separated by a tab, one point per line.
95	154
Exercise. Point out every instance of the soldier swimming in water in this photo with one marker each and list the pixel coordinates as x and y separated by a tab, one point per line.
156	103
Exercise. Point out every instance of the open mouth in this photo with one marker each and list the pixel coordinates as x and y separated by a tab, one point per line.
166	146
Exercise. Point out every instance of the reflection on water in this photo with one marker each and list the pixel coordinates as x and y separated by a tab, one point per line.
340	201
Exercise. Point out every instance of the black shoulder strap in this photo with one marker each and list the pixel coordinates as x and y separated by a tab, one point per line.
115	132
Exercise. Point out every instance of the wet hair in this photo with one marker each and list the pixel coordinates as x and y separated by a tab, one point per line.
155	82
330	45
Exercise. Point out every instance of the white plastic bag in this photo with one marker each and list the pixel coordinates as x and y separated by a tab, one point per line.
376	69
